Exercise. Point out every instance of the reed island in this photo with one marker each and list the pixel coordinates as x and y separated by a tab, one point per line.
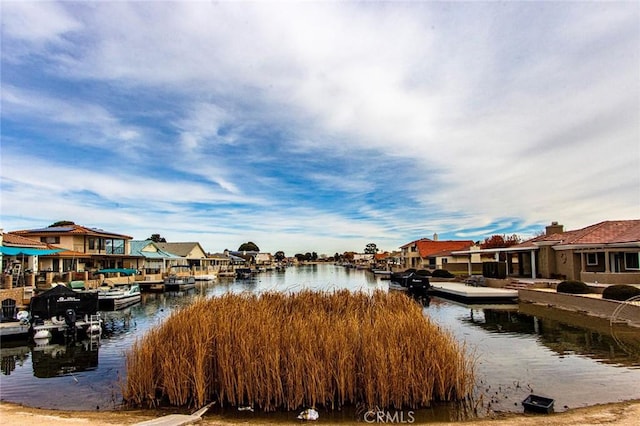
279	351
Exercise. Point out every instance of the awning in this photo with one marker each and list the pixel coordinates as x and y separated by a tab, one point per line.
24	251
124	271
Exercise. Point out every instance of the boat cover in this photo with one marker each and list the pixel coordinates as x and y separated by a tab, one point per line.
57	300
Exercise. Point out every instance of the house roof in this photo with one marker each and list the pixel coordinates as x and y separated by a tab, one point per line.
70	229
138	246
603	233
180	249
428	247
14	240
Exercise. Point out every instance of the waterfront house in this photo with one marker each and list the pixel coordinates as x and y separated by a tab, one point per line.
606	252
88	248
427	253
190	254
154	259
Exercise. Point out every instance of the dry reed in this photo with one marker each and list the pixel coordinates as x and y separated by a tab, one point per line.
286	351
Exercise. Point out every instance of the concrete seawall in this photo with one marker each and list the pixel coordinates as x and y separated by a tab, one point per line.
585	304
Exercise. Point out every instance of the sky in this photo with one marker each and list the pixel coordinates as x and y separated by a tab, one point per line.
319	126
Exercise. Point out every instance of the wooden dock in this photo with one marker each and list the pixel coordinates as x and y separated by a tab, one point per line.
14	329
472	295
177	419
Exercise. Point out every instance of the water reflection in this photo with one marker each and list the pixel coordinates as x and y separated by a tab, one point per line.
575	334
13	354
51	359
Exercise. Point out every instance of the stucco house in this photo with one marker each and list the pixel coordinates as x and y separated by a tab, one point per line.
606	252
427	253
85	248
154	260
190	253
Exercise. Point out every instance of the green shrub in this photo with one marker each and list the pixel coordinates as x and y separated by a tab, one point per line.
423	272
442	273
573	287
620	292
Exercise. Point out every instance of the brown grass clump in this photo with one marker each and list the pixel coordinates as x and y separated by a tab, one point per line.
286	351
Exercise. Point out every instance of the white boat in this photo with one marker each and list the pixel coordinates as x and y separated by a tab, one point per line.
118	297
179	283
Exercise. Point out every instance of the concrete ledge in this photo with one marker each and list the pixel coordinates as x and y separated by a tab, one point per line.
587	304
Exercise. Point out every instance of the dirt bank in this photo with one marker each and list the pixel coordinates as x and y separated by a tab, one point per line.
622	414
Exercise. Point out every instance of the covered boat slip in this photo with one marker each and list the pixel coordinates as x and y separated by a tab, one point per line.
470	294
57	300
61	309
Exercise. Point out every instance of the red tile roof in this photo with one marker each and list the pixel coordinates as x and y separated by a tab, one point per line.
427	247
70	229
608	232
13	240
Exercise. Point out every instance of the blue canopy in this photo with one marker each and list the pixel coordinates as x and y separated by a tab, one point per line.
124	271
24	251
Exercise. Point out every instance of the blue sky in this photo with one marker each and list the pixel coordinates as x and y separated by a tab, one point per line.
319	126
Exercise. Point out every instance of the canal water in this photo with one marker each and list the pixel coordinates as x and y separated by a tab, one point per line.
519	349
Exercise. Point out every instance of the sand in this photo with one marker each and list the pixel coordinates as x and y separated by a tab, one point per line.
622	413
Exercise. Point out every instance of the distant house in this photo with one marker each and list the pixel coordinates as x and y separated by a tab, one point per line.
191	253
433	253
155	260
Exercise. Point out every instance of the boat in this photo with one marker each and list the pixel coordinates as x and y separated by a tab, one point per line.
61	310
401	277
416	283
118	297
382	273
538	404
177	281
243	273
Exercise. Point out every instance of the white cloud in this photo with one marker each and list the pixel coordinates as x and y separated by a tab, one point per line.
494	110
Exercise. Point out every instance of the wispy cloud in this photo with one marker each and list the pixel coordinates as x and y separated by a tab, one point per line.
320	126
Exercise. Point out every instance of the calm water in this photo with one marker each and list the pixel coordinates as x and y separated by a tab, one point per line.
519	349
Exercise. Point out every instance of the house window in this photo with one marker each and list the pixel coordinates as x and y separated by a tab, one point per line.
592	259
92	243
632	260
50	240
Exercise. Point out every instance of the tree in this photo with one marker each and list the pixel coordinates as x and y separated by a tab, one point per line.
371	248
249	246
500	241
156	238
279	256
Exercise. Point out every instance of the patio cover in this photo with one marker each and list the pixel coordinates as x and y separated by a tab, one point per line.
24	251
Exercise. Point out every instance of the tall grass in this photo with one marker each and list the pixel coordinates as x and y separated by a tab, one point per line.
286	351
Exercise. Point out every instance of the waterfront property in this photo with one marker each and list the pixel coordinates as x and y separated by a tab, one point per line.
427	253
606	252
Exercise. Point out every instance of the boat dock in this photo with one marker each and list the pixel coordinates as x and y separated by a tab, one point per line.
14	328
472	295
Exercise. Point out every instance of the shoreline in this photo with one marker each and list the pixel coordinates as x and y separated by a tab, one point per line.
625	413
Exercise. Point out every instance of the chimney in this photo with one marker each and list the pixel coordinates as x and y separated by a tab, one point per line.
554	228
435	236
